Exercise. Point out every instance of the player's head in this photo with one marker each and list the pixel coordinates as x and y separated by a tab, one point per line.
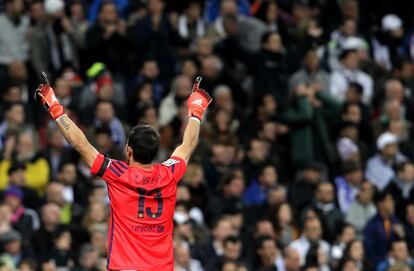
143	143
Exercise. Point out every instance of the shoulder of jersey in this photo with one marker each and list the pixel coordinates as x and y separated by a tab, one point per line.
170	162
117	167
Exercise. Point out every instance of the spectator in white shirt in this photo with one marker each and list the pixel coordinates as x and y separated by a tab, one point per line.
349	73
380	168
312	233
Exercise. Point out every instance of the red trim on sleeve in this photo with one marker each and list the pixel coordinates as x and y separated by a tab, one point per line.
97	164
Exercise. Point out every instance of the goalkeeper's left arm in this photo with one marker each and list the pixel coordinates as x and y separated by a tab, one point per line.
197	104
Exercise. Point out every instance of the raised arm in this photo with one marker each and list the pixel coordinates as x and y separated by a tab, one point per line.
68	128
197	103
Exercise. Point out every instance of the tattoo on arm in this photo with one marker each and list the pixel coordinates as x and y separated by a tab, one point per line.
64	123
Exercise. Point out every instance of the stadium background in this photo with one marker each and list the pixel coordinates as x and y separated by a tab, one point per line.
304	161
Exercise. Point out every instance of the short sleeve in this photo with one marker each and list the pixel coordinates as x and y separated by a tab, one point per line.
177	166
108	169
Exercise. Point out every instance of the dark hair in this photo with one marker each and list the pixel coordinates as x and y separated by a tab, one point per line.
349	167
401	166
261	239
144	141
357	86
346	106
9	106
103	129
266	36
262	10
398	239
265	166
231	239
64	163
381	195
15	167
60	230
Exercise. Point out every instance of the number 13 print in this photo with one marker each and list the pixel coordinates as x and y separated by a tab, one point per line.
142	194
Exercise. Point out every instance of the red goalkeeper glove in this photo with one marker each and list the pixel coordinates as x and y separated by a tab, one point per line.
47	97
198	101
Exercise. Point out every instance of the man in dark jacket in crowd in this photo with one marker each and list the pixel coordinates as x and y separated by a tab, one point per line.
106	41
382	228
401	187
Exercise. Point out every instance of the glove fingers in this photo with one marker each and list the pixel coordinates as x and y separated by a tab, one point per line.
203	93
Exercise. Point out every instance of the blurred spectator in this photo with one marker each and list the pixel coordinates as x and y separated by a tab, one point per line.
311	241
348	73
257	155
5	218
25	220
88	258
14	121
355	251
154	36
230	191
324	205
269	254
213	247
401	187
149	76
69	211
382	229
17	179
302	190
409	226
99	236
61	252
387	43
213	8
57	149
52	47
362	208
269	13
104	143
286	231
102	87
190	24
232	251
79	24
398	252
195	181
11	243
380	168
345	235
183	260
74	190
106	39
347	185
291	259
22	149
310	107
36	12
13	32
248	32
105	116
96	213
311	73
180	90
256	192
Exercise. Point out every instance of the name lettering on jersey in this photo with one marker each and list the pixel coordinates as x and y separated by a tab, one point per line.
170	162
149	228
145	181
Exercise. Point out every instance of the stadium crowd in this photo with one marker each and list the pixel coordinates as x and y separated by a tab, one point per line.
305	160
